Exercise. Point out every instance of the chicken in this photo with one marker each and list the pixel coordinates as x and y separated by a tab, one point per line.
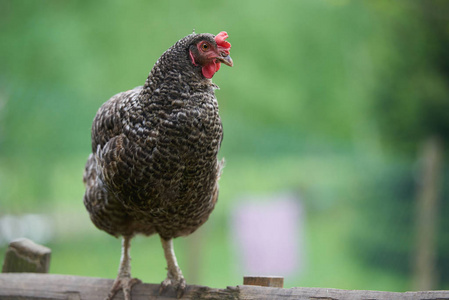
154	167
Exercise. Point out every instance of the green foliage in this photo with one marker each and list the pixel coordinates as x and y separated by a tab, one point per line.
412	100
391	194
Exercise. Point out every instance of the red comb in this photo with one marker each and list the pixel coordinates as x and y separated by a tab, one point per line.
220	40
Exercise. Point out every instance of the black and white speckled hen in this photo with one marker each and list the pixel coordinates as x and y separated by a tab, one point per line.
153	167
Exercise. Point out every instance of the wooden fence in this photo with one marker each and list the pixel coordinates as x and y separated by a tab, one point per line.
23	257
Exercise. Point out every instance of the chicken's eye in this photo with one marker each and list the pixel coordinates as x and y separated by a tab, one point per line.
204	46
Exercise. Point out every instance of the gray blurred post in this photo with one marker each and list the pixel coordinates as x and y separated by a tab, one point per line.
23	255
425	260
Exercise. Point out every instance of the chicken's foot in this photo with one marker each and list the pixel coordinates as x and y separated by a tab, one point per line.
124	281
174	273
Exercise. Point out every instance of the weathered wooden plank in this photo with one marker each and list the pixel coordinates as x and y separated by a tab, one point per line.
270	281
23	255
263	293
49	286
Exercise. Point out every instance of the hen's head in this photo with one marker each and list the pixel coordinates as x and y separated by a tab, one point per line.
208	52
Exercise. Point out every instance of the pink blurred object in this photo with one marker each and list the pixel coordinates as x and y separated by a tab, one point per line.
268	232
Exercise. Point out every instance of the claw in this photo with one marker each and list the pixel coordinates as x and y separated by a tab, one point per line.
181	289
164	285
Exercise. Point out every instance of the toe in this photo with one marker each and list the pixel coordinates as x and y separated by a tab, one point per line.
164	285
178	285
128	286
180	291
181	288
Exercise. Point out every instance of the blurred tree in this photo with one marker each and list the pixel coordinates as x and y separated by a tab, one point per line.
412	106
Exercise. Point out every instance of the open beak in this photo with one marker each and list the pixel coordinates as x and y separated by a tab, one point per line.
226	59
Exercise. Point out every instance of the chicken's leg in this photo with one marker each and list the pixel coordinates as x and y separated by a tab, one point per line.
124	280
174	274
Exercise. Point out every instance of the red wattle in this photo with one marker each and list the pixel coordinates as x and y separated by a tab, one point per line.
210	69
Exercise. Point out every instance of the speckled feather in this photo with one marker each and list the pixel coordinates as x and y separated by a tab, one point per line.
153	167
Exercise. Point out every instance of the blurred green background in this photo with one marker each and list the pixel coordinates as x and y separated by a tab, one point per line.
343	103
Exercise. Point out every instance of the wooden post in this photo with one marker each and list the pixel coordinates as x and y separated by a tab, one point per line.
23	255
427	215
270	281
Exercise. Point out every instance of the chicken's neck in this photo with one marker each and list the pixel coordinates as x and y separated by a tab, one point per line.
174	74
